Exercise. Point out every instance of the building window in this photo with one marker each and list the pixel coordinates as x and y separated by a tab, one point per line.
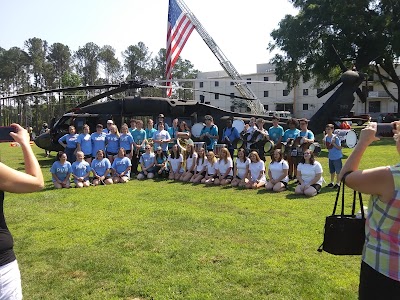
216	96
286	92
232	108
248	109
266	106
216	83
374	106
249	82
201	98
266	78
266	93
232	83
319	90
201	84
305	92
305	106
284	107
207	102
232	95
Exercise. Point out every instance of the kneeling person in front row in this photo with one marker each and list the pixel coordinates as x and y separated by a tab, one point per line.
121	167
277	173
309	175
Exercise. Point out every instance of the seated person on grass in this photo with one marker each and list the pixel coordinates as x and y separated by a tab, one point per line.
101	169
61	171
81	170
121	167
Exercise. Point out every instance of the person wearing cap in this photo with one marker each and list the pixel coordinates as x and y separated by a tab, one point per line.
109	124
161	138
45	129
276	131
161	118
229	135
209	133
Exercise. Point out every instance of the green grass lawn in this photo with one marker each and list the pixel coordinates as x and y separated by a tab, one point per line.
169	240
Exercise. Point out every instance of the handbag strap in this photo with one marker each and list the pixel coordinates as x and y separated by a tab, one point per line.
341	189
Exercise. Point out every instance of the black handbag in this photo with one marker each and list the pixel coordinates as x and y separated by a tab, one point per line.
344	234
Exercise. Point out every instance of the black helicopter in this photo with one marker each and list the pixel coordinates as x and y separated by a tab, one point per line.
122	110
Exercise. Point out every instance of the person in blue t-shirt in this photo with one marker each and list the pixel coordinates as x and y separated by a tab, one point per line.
275	131
139	141
81	171
126	141
68	141
61	171
121	167
101	169
112	143
98	140
333	144
84	143
209	133
150	132
288	137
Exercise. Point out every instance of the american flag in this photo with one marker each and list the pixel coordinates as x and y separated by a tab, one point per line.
179	29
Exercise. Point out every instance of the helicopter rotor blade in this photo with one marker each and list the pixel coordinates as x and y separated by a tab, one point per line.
361	95
329	88
339	60
211	79
202	91
67	89
121	88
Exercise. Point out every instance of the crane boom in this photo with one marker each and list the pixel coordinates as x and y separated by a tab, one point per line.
252	101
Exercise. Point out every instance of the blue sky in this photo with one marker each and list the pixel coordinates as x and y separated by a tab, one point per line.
240	28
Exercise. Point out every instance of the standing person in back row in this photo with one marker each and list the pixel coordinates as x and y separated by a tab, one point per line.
332	143
209	133
380	266
276	131
14	181
229	135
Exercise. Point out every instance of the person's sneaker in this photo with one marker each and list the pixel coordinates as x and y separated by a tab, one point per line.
336	186
330	185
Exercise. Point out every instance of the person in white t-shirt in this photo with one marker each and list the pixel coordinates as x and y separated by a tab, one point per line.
241	168
309	175
278	173
211	171
175	160
256	173
190	166
225	166
201	166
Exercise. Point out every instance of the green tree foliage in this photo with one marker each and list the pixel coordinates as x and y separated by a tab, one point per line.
111	66
87	63
365	33
60	58
137	60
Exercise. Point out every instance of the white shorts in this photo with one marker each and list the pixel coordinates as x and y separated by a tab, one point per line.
10	282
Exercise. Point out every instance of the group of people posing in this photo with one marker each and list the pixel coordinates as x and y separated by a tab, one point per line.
111	156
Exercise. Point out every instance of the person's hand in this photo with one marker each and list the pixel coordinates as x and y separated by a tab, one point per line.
367	135
21	136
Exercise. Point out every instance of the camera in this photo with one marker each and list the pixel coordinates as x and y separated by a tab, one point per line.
384	129
5	133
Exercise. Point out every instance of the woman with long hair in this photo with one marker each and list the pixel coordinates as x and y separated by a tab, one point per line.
126	141
147	164
175	160
212	165
277	172
309	175
84	143
190	166
201	167
161	163
101	169
241	168
112	143
224	170
68	141
256	174
61	171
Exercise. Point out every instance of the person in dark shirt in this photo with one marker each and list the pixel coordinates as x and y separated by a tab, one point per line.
14	181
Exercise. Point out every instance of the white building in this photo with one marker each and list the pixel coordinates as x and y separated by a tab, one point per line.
302	101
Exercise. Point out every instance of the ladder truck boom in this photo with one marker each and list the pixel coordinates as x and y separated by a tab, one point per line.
253	103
